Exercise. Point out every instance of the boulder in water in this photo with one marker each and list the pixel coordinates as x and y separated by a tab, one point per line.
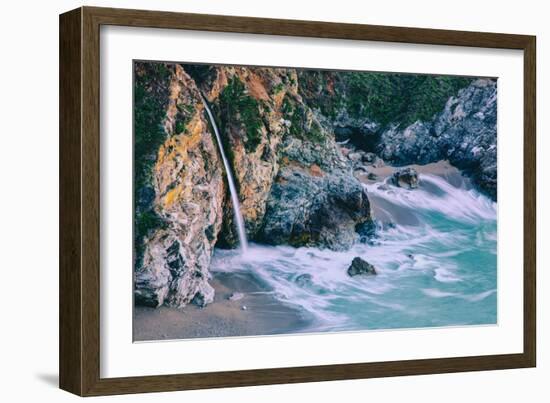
372	176
360	267
405	178
304	280
304	210
236	296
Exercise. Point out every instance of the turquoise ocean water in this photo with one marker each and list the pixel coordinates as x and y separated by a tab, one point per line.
435	254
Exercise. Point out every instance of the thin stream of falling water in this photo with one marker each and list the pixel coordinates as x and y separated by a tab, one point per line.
232	188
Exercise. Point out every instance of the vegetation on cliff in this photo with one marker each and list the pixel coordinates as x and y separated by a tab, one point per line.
151	91
300	127
239	108
279	128
380	97
185	192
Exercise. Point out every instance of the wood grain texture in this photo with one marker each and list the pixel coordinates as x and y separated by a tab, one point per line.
90	202
530	202
70	270
80	196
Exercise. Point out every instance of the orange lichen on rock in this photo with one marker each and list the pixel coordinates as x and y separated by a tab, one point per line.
315	170
218	85
254	84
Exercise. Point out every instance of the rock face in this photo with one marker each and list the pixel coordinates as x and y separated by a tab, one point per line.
463	133
308	210
188	197
417	120
405	178
294	185
360	267
315	200
249	108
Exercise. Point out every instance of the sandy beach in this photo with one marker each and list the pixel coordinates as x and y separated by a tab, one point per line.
441	168
386	212
256	313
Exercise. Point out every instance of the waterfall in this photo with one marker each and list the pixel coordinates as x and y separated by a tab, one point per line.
232	188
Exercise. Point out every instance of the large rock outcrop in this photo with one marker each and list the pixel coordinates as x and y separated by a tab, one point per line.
411	120
315	200
463	133
248	105
294	185
189	193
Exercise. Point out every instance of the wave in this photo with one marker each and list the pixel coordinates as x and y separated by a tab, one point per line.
435	293
437	195
429	274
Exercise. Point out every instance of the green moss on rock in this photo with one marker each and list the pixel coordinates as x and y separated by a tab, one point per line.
151	82
151	94
240	109
300	128
381	97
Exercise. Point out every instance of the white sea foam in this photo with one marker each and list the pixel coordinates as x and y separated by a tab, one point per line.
436	293
416	264
444	275
458	203
481	296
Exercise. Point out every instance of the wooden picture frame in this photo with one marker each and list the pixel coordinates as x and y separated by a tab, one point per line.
79	346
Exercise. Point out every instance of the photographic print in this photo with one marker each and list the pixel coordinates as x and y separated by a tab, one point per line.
273	201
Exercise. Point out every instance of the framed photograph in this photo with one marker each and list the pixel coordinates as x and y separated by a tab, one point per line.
249	201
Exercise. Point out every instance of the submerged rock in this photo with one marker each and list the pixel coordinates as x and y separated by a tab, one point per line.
236	296
372	176
304	280
360	267
405	178
366	231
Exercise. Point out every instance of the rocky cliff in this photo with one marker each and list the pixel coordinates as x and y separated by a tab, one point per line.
189	192
282	156
294	185
280	129
315	200
411	119
464	133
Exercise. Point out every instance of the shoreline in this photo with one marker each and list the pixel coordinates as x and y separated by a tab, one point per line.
442	168
257	313
388	213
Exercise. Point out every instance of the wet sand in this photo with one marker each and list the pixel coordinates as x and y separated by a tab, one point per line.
386	212
441	168
257	313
